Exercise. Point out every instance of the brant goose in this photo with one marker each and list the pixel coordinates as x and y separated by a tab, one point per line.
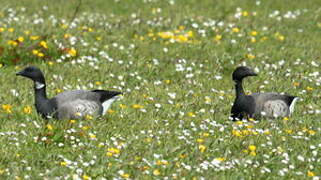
73	104
271	105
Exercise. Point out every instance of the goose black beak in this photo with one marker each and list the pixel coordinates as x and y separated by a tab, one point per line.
253	74
20	73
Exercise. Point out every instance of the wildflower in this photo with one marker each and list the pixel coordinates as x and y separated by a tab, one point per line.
245	13
235	30
220	159
92	136
35	52
2	29
181	38
64	26
21	39
49	127
85	177
88	117
250	56
110	111
7	108
202	148
72	121
50	63
123	106
190	34
66	36
156	172
281	38
125	175
218	37
289	131
113	151
191	114
34	37
296	84
85	128
165	35
63	163
253	153
167	81
72	52
236	133
311	132
252	147
27	109
267	132
310	174
40	54
11	29
109	154
205	134
285	118
12	43
253	40
253	33
137	106
98	83
200	140
43	44
309	88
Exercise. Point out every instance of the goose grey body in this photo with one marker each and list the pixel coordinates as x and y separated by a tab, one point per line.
273	104
77	103
270	105
69	104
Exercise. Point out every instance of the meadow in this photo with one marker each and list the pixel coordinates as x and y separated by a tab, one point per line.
173	60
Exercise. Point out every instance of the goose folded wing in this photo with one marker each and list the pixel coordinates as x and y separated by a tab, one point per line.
78	108
272	104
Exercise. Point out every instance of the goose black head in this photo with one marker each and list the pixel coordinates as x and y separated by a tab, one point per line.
33	73
242	72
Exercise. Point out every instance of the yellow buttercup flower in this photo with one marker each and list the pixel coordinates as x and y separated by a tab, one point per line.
72	52
156	172
12	43
235	30
7	108
218	37
43	44
252	147
21	39
11	29
125	175
63	163
245	13
310	174
202	148
27	109
34	37
137	106
49	127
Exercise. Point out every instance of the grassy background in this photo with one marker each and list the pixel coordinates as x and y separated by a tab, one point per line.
150	134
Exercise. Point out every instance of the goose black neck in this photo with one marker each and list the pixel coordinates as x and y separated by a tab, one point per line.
40	93
239	88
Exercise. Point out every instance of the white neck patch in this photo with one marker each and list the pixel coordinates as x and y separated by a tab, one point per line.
39	85
293	104
106	105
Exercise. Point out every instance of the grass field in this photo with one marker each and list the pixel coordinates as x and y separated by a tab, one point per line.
173	60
